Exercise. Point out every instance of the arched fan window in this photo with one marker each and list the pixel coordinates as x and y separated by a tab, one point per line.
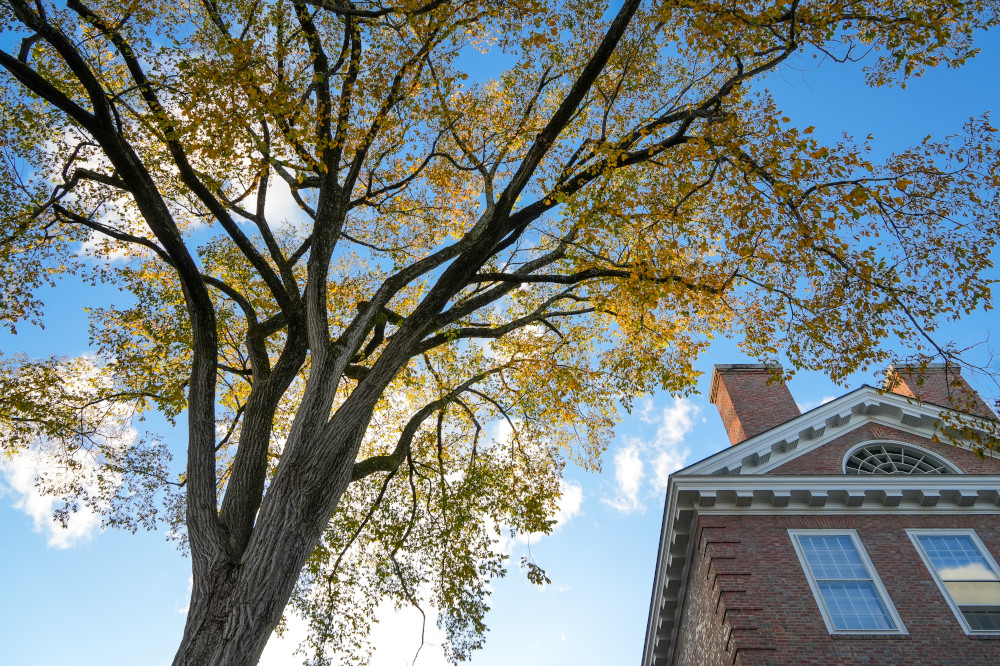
885	458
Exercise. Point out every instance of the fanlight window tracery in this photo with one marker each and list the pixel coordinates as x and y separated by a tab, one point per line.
894	459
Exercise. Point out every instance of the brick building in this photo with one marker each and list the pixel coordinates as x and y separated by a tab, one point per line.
844	535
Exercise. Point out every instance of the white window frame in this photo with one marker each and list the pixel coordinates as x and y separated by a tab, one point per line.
947	464
899	629
983	550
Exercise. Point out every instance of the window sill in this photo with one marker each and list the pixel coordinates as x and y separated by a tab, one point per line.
876	637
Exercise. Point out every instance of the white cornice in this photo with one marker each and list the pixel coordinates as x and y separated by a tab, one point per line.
855	494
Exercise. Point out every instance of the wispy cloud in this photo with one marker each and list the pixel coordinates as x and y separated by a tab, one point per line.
280	208
182	605
20	473
628	476
101	249
813	404
42	475
648	412
568	507
395	635
664	454
569	503
676	421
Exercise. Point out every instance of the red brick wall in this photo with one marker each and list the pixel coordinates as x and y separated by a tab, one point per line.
721	614
728	415
829	458
749	602
749	401
938	385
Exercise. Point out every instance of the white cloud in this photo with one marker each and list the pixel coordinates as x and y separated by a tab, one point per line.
61	465
813	404
568	507
967	571
280	650
20	473
100	248
280	209
503	432
646	414
665	465
628	476
395	635
182	605
676	421
96	247
665	454
569	503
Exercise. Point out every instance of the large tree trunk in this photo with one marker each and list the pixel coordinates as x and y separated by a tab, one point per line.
234	612
235	605
230	619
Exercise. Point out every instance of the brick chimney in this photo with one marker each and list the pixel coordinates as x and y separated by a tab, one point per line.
750	399
937	384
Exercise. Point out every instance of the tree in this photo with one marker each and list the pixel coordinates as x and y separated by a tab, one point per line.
535	248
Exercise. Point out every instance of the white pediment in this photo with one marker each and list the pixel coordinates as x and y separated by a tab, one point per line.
809	431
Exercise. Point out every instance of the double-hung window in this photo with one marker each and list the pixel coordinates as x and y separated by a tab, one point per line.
849	593
967	575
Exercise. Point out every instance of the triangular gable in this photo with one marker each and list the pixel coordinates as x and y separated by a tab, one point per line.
809	431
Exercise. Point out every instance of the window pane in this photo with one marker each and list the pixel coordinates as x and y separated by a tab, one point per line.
956	557
855	605
847	589
982	618
968	576
833	557
967	593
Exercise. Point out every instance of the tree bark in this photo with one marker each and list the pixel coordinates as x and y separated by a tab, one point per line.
237	604
233	615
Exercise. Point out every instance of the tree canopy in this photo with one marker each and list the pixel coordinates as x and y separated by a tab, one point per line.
357	236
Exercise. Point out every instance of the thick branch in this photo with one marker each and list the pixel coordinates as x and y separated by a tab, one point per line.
354	12
186	171
392	461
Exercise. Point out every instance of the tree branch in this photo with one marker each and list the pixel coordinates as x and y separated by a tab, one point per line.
392	461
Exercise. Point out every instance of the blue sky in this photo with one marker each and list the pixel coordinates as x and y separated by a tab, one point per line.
84	596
